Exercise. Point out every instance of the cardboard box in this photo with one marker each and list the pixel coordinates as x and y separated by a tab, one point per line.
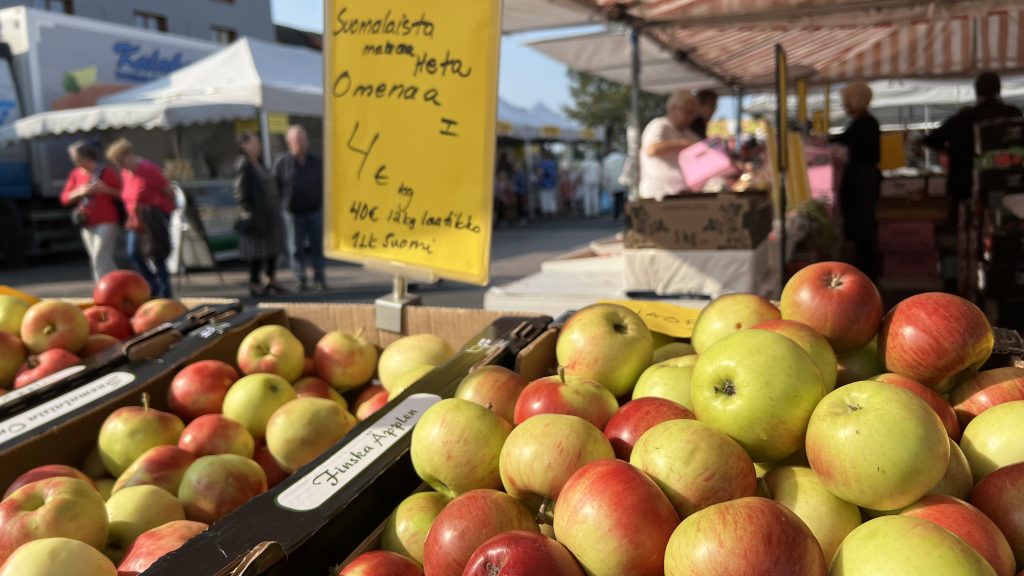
737	221
904	187
906	235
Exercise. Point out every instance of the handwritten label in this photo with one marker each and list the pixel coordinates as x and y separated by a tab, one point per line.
675	321
13	395
329	478
410	115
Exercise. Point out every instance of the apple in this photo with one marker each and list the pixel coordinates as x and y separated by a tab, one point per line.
876	445
938	339
108	320
518	552
637	417
97	343
57	556
406	528
369	407
345	361
130	431
380	562
156	312
364	394
971	525
829	518
314	387
303	429
614	519
12	355
44	472
728	314
999	496
12	311
275	475
760	388
607	343
254	398
416	352
214	486
669	380
906	546
837	300
750	535
134	510
561	395
671	350
958	480
105	486
54	324
156	543
272	350
494	387
200	388
59	506
214	434
994	439
125	290
456	447
308	367
44	364
160	466
93	466
938	403
859	364
816	346
407	379
987	389
694	465
467	522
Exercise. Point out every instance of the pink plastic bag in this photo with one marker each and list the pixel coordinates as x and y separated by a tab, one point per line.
703	161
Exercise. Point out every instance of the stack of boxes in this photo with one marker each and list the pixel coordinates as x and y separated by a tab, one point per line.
908	214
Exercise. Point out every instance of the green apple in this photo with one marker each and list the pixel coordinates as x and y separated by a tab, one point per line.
254	398
816	346
57	506
303	429
214	486
659	339
12	356
995	438
728	314
105	486
958	480
408	378
134	510
408	354
406	529
876	445
671	350
272	349
607	343
669	379
12	310
760	388
129	432
57	557
906	546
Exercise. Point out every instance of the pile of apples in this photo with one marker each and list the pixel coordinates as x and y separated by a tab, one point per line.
814	438
40	339
157	478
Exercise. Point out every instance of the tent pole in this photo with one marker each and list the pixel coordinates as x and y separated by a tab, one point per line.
265	136
737	93
634	112
927	150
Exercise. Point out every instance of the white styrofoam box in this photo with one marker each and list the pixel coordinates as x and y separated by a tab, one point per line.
709	273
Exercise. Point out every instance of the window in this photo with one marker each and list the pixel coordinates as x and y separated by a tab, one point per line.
151	21
65	6
222	34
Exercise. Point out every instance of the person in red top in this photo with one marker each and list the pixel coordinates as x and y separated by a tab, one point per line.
92	189
149	201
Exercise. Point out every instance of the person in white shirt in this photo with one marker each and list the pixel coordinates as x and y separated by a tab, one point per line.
590	185
612	167
660	144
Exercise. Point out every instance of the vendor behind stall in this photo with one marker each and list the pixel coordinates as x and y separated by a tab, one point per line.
662	140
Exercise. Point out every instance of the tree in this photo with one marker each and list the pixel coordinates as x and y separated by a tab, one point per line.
597	102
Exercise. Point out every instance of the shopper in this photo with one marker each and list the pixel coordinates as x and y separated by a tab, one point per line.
861	180
660	144
612	166
299	176
547	184
93	189
590	185
707	103
149	201
260	223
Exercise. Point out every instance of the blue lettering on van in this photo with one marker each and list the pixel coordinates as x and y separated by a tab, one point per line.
135	65
6	108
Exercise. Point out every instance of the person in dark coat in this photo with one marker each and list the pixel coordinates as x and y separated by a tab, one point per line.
259	226
299	175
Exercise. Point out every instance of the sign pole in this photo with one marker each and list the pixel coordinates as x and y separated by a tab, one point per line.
782	150
390	309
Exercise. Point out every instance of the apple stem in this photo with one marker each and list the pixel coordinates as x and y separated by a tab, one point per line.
561	374
836	281
145	401
544	516
359	333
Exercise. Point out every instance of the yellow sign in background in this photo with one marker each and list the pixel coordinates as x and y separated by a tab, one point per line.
411	101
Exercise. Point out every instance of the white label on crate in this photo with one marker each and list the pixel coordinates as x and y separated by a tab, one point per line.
327	479
51	410
40	384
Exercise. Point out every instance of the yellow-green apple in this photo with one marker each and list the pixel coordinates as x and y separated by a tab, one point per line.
160	466
995	439
254	398
659	339
317	388
494	387
57	557
958	480
607	343
97	343
411	353
12	310
671	350
108	320
93	465
156	312
39	366
200	388
837	300
130	431
637	417
44	472
262	456
876	445
749	535
54	324
214	434
105	486
829	518
59	506
971	525
999	495
938	339
564	395
816	346
125	290
906	546
305	428
729	314
467	522
522	552
12	355
938	403
214	486
272	350
760	388
369	407
615	520
859	364
380	562
987	389
156	543
134	510
694	465
406	529
408	378
456	447
345	361
669	380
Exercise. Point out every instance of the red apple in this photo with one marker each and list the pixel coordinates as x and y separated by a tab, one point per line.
346	361
368	408
938	339
275	474
44	364
98	343
520	553
54	324
837	300
314	387
199	388
43	472
156	312
215	486
125	290
1000	495
53	507
637	417
576	397
12	355
365	393
309	368
156	543
379	563
971	525
494	387
214	434
160	466
938	403
108	320
987	389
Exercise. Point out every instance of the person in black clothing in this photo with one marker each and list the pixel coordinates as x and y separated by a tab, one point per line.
300	178
707	103
861	180
259	225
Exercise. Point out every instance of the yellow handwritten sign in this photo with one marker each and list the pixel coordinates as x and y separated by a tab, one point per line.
277	122
675	321
411	102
